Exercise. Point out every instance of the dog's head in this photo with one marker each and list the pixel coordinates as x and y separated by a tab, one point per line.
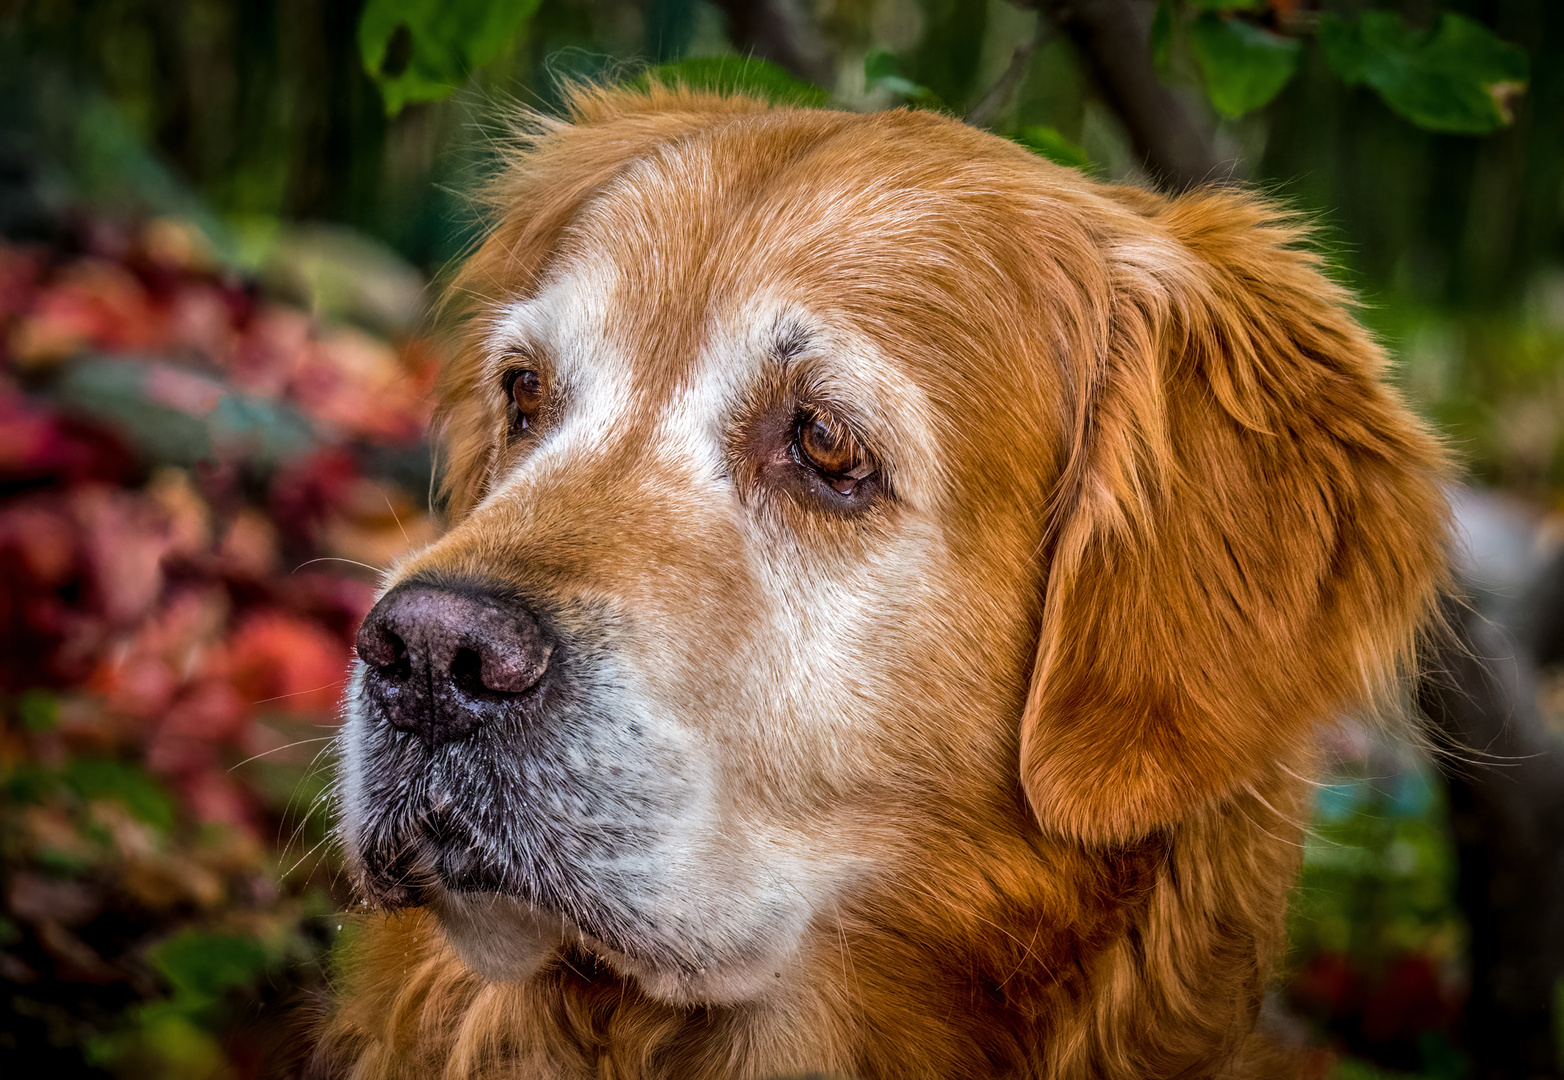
836	496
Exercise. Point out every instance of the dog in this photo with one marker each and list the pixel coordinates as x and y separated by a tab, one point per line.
892	589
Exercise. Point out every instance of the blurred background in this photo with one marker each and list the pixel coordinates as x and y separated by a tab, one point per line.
221	226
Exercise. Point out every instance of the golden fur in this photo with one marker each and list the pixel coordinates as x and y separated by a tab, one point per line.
1155	518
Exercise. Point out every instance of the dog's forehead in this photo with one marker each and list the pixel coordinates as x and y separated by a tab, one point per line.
694	235
883	271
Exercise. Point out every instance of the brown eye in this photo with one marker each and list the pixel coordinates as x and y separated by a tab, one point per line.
830	450
525	389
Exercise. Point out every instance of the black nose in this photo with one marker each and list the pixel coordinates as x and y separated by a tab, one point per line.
441	662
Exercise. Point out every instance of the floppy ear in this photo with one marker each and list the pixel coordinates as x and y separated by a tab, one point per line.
1250	533
552	168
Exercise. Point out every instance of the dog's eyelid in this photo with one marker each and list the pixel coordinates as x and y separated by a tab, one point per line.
817	386
509	362
507	347
511	357
852	421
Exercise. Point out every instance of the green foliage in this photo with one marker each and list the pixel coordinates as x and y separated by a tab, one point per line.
422	50
1374	917
737	75
123	393
1378	872
1457	78
173	1038
89	779
882	71
102	778
948	57
1162	36
201	966
1353	1069
1048	142
1558	1020
1243	65
38	710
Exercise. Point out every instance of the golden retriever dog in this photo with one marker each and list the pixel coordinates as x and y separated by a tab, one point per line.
892	588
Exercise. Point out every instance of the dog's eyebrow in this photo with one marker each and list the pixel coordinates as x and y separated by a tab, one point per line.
790	342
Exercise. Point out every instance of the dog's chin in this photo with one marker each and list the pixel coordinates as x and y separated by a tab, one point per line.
507	940
500	937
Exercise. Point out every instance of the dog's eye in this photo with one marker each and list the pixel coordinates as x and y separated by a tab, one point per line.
822	444
525	390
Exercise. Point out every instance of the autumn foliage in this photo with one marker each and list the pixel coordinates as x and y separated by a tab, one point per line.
198	482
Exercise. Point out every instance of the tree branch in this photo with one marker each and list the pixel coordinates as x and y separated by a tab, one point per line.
782	32
999	95
1116	44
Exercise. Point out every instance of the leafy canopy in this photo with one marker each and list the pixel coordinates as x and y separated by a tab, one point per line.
422	50
1457	76
1244	66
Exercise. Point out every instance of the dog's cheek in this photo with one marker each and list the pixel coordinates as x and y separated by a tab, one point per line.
796	709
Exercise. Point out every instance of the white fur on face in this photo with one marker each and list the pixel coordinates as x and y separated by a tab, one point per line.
564	326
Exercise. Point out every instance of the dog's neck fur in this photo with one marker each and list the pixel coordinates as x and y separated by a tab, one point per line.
1102	964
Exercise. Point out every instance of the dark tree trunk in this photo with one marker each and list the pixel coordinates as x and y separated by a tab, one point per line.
783	32
1506	788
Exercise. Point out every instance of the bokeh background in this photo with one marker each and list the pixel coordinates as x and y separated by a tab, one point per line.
222	223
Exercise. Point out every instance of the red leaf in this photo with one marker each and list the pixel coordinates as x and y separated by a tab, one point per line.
287	663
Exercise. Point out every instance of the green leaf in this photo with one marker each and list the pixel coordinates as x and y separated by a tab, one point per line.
1243	66
1049	143
200	965
124	395
422	50
1344	48
1227	5
101	778
1459	78
38	710
881	64
737	75
159	1042
882	71
28	782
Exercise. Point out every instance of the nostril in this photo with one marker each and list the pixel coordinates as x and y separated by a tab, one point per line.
383	650
399	670
482	674
467	673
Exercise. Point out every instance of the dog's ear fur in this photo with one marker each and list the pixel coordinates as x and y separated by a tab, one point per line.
551	168
1248	536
